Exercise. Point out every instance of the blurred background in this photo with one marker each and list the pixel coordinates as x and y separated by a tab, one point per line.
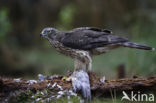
24	54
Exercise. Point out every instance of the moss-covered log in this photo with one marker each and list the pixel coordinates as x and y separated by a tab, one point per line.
98	87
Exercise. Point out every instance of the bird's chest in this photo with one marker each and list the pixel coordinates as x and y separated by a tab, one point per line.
73	53
66	51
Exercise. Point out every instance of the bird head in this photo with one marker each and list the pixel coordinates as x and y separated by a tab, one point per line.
49	33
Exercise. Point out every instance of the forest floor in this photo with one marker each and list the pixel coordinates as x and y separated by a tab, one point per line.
54	88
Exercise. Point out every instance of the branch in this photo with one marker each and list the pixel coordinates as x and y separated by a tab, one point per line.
8	85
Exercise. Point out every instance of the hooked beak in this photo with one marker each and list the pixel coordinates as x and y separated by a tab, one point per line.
41	35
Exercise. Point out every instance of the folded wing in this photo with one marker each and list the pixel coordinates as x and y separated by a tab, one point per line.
88	38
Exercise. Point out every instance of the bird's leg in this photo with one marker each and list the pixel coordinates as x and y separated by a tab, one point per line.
87	60
78	64
88	63
83	61
80	77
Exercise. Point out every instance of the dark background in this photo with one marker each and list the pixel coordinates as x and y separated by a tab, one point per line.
24	54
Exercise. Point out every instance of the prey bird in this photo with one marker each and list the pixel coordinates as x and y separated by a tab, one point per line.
82	44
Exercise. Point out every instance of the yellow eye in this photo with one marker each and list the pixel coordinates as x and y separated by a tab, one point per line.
49	32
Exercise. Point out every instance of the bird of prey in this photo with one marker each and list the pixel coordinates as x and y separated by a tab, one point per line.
84	42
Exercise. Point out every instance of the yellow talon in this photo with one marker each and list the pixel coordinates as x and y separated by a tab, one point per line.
64	78
67	78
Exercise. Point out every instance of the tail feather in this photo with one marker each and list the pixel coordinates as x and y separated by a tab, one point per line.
137	46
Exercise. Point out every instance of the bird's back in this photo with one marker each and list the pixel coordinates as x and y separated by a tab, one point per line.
88	38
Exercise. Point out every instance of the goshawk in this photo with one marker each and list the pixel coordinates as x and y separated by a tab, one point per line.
84	42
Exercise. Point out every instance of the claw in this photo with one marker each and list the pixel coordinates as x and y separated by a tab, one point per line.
67	78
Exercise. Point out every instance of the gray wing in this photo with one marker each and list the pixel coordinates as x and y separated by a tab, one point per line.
88	38
93	29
